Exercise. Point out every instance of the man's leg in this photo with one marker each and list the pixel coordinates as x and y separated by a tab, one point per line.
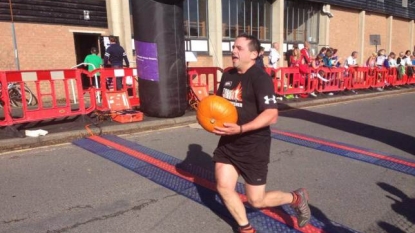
298	199
258	198
226	179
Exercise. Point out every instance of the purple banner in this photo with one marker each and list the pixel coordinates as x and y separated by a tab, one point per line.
147	60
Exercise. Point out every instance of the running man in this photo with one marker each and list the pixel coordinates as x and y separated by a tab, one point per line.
244	148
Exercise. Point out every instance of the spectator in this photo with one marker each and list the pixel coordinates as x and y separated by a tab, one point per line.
305	53
408	63
401	65
335	59
407	58
327	59
274	56
400	60
381	57
259	61
328	62
371	61
322	51
315	65
93	61
114	57
351	61
391	60
296	58
289	53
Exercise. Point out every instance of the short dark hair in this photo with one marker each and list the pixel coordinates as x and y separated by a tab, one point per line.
112	39
94	50
254	44
354	53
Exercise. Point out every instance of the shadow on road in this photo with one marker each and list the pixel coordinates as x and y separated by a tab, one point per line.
395	139
404	206
329	226
199	166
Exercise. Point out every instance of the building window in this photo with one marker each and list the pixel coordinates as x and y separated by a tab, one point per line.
246	16
405	3
195	18
301	21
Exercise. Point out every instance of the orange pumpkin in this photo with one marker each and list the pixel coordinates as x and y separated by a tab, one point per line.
214	111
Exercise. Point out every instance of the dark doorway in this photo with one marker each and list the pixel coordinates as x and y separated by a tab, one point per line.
83	44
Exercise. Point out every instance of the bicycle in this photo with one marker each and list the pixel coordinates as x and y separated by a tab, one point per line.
15	95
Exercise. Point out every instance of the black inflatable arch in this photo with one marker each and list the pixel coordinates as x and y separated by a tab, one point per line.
160	56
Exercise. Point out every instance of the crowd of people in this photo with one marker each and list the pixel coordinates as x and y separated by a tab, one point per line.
328	57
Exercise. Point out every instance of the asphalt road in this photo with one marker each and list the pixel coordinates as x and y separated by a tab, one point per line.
65	188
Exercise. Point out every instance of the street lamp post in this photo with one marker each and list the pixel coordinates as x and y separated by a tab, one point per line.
16	54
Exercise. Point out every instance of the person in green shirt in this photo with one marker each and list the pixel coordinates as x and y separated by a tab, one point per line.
93	61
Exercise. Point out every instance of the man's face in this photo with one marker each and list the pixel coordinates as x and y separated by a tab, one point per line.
242	58
276	46
355	55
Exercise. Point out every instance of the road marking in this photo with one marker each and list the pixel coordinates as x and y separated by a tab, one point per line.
363	154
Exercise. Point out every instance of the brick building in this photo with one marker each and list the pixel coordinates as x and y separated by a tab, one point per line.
52	34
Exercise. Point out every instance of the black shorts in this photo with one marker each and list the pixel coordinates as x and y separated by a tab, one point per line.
252	165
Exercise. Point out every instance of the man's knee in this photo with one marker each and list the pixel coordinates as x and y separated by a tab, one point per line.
224	188
256	195
256	203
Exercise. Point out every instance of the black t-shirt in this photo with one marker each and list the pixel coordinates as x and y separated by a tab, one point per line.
115	54
251	93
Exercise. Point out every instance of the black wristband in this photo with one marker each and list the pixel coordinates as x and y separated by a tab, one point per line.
240	129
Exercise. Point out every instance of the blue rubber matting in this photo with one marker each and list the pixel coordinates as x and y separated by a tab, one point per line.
198	193
348	153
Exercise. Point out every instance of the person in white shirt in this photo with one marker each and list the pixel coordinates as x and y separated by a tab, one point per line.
381	58
407	58
274	56
392	60
401	59
351	60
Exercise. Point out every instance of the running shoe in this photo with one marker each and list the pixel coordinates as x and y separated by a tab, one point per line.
301	207
247	230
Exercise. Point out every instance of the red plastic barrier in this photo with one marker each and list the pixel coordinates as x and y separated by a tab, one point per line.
129	84
411	79
394	79
332	80
289	80
359	78
380	78
51	103
207	76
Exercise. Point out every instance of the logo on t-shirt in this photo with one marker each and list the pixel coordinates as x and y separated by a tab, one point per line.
234	95
273	99
228	84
